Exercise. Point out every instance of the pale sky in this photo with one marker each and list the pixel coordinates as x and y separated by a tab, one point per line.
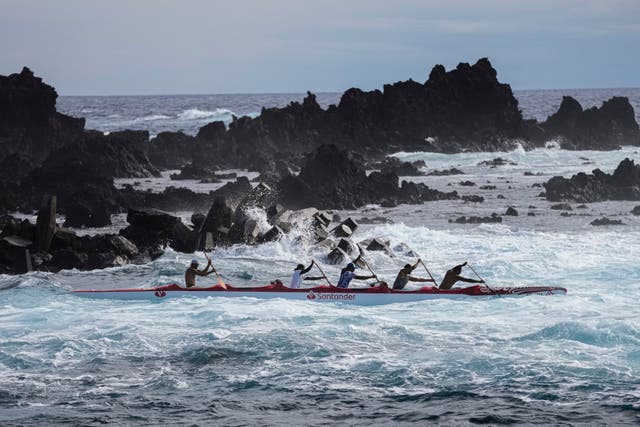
108	47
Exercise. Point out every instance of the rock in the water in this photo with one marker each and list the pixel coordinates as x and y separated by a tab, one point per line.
467	183
379	244
636	210
473	199
605	128
274	233
333	178
478	220
446	172
623	184
400	168
562	207
342	231
511	211
606	221
337	256
219	218
153	229
498	161
347	246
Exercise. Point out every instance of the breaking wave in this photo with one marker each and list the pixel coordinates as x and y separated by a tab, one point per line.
196	114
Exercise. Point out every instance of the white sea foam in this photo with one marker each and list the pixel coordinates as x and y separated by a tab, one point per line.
196	114
152	117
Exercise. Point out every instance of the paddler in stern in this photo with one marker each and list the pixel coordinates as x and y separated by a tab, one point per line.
192	272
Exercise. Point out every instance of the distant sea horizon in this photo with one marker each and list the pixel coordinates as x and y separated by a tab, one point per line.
80	95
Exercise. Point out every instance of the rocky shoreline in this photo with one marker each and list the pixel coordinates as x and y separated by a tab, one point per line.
308	158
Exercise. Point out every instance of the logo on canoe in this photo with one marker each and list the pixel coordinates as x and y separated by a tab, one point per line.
330	296
160	293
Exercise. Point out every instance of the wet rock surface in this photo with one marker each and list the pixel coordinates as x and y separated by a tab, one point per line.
623	184
606	221
599	128
477	219
333	178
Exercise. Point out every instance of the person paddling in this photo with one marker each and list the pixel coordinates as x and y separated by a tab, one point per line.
192	272
452	276
296	278
404	276
347	274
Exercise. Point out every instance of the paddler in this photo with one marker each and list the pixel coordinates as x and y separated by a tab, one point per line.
296	278
192	272
404	276
452	276
347	274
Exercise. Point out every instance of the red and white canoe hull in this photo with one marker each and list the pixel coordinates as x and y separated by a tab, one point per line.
370	296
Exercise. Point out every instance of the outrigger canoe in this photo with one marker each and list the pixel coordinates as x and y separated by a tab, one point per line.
360	296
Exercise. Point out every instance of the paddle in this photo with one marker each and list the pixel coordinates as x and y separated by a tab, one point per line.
322	272
485	283
367	265
425	267
220	281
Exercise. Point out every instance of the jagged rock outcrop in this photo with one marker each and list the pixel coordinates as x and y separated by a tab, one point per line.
172	150
494	218
623	184
42	148
332	178
463	109
29	122
604	128
151	230
400	168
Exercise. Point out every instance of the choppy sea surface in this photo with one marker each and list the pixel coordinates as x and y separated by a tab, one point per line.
537	360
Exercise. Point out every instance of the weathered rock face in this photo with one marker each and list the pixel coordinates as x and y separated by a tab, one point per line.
604	128
29	122
50	153
332	178
217	223
45	247
171	150
79	188
400	168
151	230
623	184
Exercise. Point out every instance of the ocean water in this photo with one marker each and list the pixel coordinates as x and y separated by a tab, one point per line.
537	360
